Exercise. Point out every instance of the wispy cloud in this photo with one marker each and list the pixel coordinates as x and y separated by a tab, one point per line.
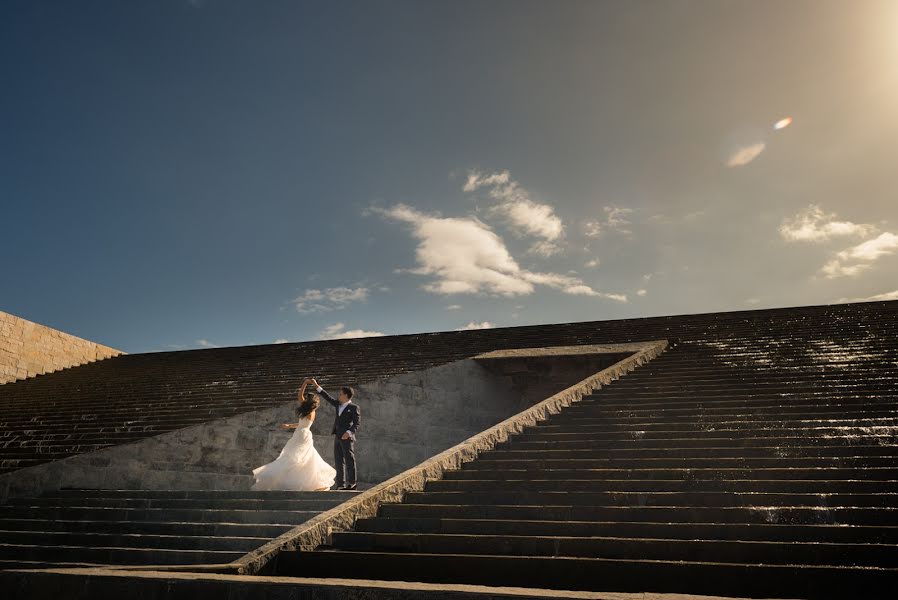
814	225
281	341
642	292
315	300
745	154
454	307
464	256
857	259
523	214
876	298
338	331
472	325
593	263
206	344
615	220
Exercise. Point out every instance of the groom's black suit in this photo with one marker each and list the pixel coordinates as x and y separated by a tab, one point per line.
344	450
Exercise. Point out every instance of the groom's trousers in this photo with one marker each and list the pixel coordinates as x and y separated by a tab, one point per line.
344	459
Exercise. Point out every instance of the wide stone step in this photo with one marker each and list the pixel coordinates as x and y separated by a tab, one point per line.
702	442
567	472
852	534
821	394
803	386
537	483
805	553
753	452
131	540
728	402
644	498
665	377
42	564
759	408
758	385
793	515
575	414
715	578
592	432
47	451
287	517
248	504
114	555
335	497
186	528
860	463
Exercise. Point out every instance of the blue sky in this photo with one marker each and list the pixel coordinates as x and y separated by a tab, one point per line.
177	174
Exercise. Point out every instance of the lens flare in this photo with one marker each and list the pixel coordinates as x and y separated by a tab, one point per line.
782	123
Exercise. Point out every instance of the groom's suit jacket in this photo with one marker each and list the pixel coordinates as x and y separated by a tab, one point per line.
348	420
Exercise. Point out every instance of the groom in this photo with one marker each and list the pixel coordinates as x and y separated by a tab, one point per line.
345	427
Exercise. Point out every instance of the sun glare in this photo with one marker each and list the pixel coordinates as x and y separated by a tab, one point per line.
782	123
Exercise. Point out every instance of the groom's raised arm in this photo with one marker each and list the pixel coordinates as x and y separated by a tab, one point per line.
330	399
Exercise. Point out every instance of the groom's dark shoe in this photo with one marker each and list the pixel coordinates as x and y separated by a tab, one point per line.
348	488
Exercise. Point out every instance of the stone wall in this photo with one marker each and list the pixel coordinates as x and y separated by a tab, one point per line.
28	349
405	420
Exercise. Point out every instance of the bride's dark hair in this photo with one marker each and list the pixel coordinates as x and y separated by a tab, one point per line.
307	406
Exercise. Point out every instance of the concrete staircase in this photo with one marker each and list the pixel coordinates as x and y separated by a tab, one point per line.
739	468
136	396
80	527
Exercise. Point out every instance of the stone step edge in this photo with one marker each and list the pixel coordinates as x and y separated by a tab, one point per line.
121	579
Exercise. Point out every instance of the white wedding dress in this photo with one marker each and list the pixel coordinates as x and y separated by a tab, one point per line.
298	467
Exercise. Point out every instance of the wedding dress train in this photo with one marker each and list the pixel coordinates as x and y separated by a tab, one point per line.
298	467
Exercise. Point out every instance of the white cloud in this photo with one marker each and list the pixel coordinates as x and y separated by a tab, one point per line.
592	264
641	292
519	210
454	307
330	299
814	225
876	298
472	325
857	259
477	180
464	256
281	341
616	220
338	331
744	155
592	229
206	344
545	249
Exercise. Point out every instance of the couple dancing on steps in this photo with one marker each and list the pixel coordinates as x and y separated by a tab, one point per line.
299	466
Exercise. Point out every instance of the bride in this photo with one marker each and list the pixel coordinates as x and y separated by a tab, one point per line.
299	466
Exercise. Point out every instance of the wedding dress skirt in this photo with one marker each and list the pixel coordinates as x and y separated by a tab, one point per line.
298	467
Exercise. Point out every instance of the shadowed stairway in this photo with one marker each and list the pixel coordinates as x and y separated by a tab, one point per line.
144	527
757	469
758	457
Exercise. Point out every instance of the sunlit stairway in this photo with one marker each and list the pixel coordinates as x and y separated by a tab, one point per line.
742	468
139	527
